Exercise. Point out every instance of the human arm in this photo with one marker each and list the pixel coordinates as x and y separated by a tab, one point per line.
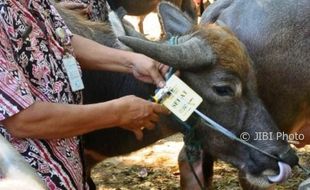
72	5
94	56
50	120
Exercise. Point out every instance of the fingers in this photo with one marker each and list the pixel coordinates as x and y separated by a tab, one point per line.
160	109
178	73
154	118
158	79
138	133
163	69
156	74
148	125
144	78
149	70
136	128
140	114
148	122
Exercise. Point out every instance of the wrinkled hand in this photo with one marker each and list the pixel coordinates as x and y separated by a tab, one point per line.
135	114
149	70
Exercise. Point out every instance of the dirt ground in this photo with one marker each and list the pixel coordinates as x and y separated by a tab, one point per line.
155	167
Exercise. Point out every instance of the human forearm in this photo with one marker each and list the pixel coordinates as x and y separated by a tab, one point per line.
94	56
48	120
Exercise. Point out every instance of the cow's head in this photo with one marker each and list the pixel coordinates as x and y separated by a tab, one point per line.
216	65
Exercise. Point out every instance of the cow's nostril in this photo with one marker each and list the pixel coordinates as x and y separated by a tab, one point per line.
289	157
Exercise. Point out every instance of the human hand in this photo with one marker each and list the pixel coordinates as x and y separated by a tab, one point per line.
135	114
149	70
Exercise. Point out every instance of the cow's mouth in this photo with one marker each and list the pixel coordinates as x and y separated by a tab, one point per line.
268	177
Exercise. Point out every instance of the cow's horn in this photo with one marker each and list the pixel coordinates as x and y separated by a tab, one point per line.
191	54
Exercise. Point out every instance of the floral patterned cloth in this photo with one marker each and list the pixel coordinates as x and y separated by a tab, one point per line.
31	69
97	9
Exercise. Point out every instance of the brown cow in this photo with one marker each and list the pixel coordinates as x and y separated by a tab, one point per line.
141	8
227	83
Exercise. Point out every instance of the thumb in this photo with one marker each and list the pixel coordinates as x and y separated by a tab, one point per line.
157	78
138	133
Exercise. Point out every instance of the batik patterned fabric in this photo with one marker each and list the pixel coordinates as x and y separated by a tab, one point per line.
31	69
97	9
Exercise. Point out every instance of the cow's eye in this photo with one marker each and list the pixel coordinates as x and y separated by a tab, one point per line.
223	90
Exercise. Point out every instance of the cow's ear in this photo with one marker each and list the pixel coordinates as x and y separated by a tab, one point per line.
173	20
